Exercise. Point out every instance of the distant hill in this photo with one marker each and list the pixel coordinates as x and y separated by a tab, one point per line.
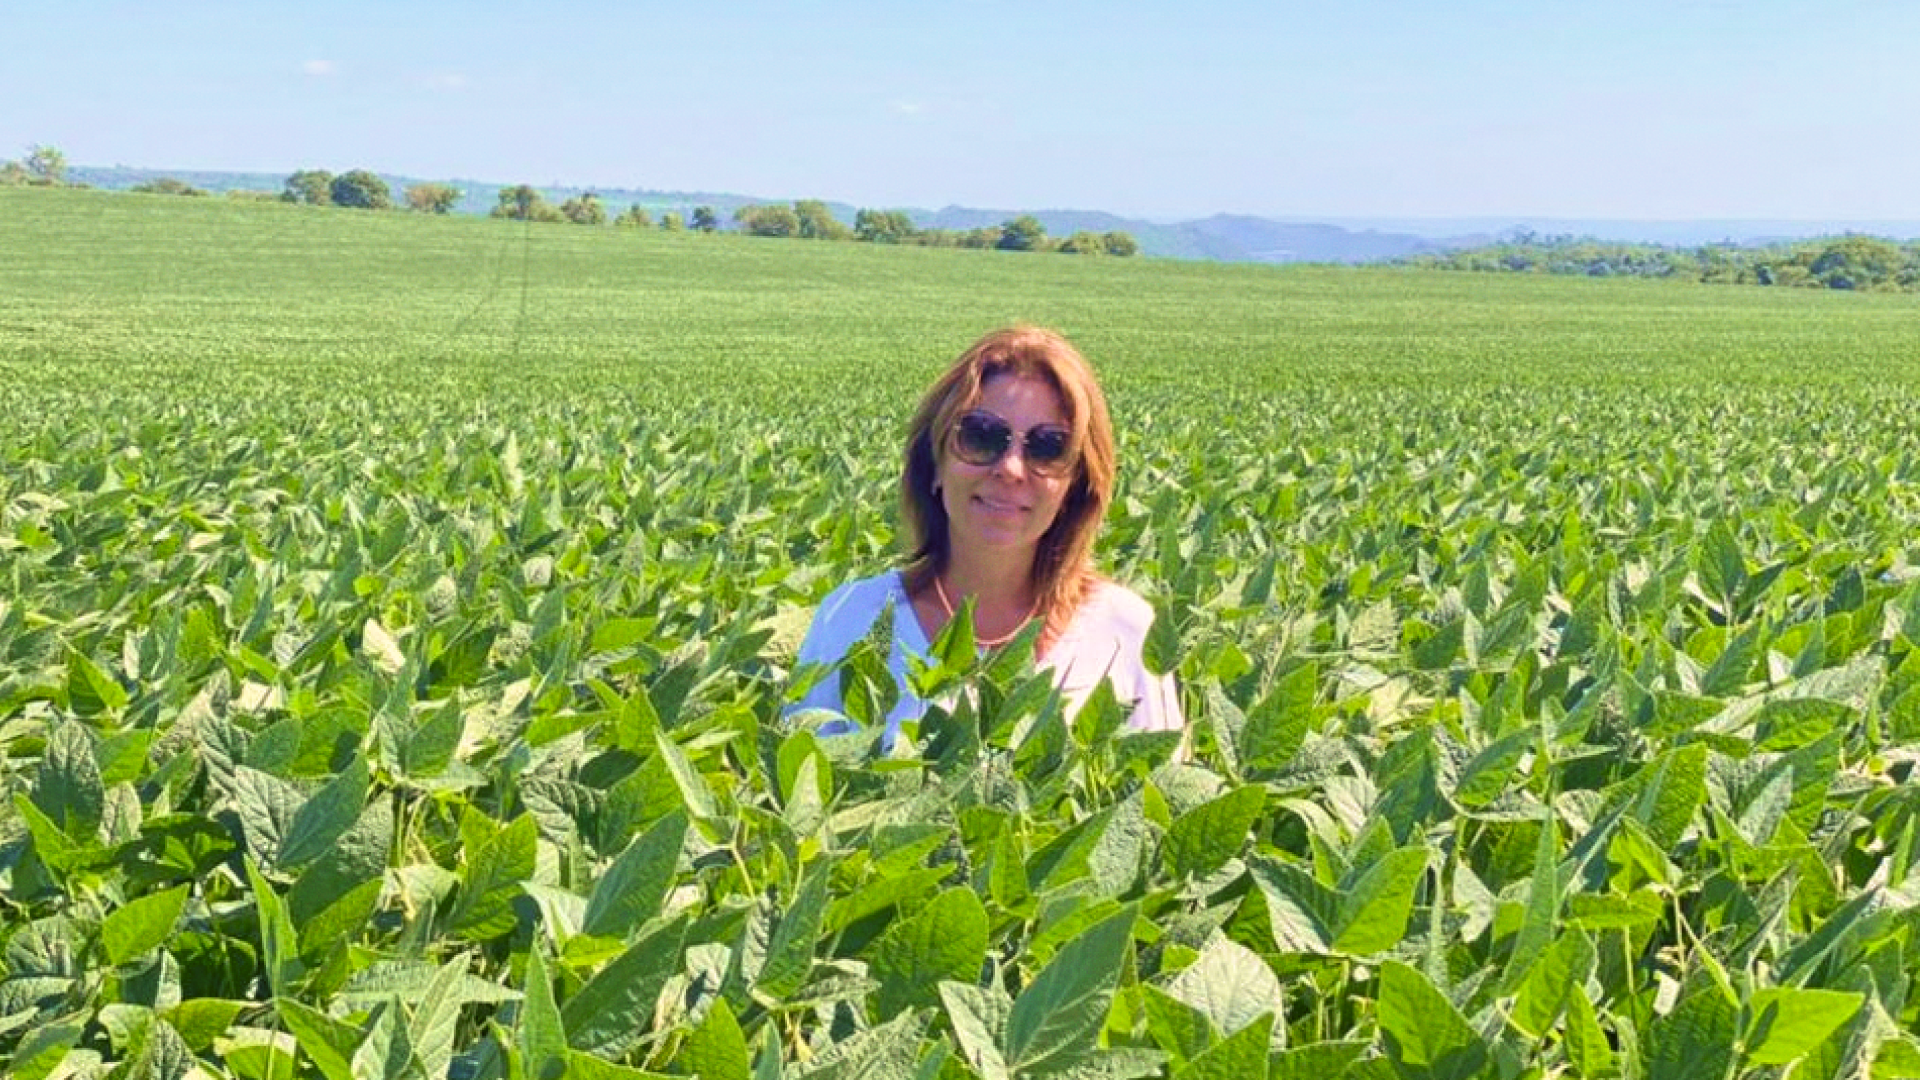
1222	237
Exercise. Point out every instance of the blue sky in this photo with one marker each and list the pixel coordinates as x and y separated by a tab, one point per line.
1624	109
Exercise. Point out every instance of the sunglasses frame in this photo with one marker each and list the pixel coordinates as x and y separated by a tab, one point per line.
1057	466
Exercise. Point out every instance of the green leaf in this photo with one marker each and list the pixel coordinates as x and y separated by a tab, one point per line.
142	924
1057	1018
1728	674
1440	648
587	1067
91	691
1611	911
1543	905
945	940
1240	1056
888	1051
201	1020
1695	1040
717	1049
1316	1061
357	857
162	1055
1492	770
790	952
541	1038
1720	560
1229	984
1670	791
1562	969
384	1052
430	747
325	818
1301	912
328	1043
1789	1022
1278	724
265	805
279	945
600	1018
978	1016
1373	912
1205	837
68	788
1161	650
50	842
436	1018
333	926
695	795
491	879
1587	1045
1425	1035
43	1047
636	885
1175	1025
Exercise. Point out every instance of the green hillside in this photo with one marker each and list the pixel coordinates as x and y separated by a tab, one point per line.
396	614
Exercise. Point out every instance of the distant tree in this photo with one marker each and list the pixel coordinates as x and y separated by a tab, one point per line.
818	223
47	165
361	190
13	174
672	222
704	219
635	217
166	185
986	236
522	203
882	226
584	210
769	219
1120	243
1084	243
1024	233
313	187
1857	262
432	198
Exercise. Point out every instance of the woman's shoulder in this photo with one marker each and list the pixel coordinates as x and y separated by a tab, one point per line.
1117	609
847	614
868	594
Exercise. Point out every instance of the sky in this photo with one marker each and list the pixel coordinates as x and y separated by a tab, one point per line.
1611	109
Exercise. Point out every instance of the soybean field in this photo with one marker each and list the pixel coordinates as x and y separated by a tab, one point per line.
396	611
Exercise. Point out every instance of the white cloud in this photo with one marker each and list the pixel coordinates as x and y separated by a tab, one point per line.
446	81
318	68
909	108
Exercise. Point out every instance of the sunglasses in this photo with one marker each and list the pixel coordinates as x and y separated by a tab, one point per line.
981	438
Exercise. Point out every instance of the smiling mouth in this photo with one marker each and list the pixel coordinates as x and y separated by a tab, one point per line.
998	506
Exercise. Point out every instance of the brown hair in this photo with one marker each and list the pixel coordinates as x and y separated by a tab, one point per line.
1063	570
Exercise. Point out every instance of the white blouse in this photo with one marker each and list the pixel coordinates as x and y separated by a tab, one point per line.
1103	640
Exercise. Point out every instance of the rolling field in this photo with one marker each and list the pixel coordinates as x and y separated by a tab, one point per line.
395	613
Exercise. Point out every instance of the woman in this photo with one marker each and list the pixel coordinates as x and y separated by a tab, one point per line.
1009	469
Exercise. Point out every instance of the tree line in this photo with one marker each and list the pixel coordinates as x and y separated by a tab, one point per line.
811	220
361	189
804	218
1852	261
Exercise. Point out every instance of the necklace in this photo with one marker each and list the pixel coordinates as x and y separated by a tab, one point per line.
946	606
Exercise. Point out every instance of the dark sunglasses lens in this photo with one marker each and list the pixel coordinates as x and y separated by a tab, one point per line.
1048	446
981	440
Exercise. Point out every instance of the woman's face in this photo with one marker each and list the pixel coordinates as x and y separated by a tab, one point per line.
1007	503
